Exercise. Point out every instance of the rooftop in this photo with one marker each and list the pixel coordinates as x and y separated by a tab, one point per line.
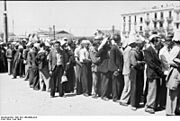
153	9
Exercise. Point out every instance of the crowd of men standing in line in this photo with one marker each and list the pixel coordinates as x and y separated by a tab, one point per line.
127	70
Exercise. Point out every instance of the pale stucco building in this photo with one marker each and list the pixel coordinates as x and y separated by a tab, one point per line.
161	19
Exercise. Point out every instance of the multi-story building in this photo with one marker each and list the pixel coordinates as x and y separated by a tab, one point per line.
162	20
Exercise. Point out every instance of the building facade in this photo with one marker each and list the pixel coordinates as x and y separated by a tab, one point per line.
163	20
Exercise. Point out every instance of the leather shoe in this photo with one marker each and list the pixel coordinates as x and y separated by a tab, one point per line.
133	108
105	98
149	110
123	104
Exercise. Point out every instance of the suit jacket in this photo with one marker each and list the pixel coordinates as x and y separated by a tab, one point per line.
104	59
31	59
154	69
136	56
116	59
43	63
53	59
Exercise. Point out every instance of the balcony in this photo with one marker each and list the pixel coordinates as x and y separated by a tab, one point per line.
161	20
169	19
155	20
161	29
147	21
169	28
177	10
176	21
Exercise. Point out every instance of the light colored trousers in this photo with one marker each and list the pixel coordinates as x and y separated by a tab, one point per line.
9	67
94	84
43	81
126	90
171	102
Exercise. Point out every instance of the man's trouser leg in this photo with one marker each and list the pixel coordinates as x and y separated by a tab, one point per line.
126	90
9	67
152	93
94	85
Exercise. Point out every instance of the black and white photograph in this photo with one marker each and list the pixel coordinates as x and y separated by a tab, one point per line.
89	58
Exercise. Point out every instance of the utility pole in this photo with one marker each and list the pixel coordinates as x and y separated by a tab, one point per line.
54	32
113	29
13	26
5	23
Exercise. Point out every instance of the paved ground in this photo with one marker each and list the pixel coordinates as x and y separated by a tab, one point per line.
16	98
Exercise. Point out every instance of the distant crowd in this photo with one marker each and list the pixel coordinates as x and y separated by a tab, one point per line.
130	70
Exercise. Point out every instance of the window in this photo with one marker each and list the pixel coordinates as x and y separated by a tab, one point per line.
124	18
155	25
161	14
141	20
170	14
140	28
129	18
155	15
177	26
161	24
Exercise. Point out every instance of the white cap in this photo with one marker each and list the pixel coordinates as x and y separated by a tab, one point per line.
47	44
20	47
36	45
63	42
153	36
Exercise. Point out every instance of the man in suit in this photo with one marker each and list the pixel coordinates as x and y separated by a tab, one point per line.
115	66
56	69
154	72
102	68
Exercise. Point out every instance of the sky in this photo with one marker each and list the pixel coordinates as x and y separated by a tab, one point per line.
81	18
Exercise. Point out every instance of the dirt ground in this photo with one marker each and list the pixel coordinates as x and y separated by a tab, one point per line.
16	98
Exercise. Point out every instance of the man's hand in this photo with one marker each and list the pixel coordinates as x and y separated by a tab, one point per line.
50	72
116	73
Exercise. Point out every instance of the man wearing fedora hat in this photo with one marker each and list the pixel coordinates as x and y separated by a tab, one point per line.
154	73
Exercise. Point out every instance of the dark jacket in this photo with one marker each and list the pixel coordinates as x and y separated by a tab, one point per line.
43	63
153	62
31	59
104	59
116	59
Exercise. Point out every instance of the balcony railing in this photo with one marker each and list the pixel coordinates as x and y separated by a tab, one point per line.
177	20
161	29
169	19
161	20
169	28
177	10
155	20
147	21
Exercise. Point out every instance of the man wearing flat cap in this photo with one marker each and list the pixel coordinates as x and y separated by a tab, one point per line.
154	72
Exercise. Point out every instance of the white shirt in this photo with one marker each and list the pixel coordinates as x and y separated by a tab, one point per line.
83	54
164	55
